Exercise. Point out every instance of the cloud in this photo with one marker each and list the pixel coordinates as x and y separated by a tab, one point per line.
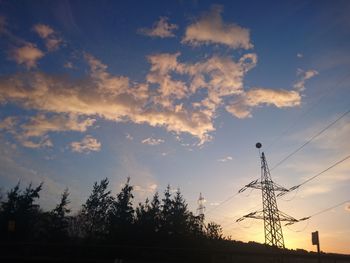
300	55
40	124
68	64
129	137
161	28
52	39
178	96
42	142
33	133
225	159
315	190
86	145
150	188
27	55
242	107
44	31
280	98
152	141
347	207
304	75
210	29
8	124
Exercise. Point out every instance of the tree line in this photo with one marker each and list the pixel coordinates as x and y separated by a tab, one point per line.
104	219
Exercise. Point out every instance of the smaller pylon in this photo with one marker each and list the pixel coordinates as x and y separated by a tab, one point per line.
201	207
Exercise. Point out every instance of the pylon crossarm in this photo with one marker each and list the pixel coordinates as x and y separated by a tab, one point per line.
300	220
288	190
277	187
253	184
288	218
255	215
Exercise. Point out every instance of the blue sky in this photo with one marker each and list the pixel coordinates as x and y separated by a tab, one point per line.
179	93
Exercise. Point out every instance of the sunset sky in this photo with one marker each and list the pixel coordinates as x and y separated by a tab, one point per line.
179	92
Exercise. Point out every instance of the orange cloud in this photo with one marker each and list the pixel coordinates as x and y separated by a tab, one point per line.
52	40
27	55
86	145
161	28
210	29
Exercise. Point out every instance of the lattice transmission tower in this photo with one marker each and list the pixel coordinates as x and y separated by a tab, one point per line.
270	214
201	207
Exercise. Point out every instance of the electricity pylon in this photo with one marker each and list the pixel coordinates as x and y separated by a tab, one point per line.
270	214
201	207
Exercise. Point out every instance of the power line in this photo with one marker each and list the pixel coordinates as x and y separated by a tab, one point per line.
313	177
223	202
311	139
304	113
318	213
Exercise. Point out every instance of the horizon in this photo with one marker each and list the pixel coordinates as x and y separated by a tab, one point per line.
179	93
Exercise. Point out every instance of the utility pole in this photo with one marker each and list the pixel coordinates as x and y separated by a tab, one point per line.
270	214
316	241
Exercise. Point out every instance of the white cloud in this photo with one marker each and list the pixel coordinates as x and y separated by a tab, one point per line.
150	188
152	141
27	55
304	75
86	145
129	137
225	159
299	55
161	28
210	29
52	39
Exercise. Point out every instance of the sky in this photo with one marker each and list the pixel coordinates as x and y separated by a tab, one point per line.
179	93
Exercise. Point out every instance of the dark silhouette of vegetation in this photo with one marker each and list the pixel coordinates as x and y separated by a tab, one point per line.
104	218
110	226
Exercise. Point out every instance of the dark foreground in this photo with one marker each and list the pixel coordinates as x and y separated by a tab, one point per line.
127	254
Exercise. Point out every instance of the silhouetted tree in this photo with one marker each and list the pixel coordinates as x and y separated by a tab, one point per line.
94	214
196	227
214	231
156	213
122	212
58	228
179	215
166	224
20	213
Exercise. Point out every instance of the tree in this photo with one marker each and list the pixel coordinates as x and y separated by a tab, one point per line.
214	231
166	218
179	215
94	213
20	213
122	212
58	228
155	213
